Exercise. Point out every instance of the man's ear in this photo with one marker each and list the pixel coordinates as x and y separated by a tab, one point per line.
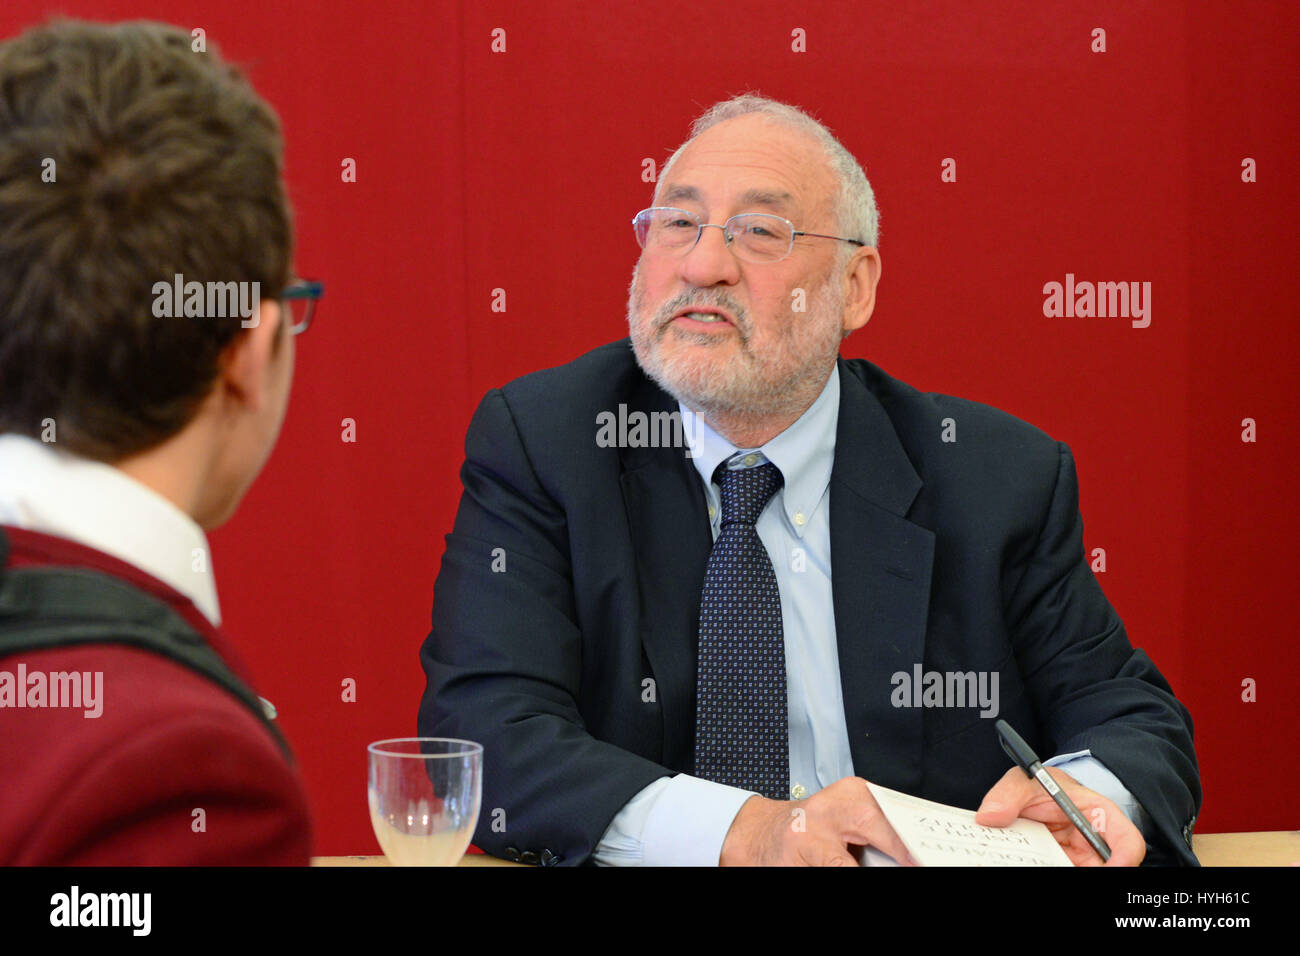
243	366
861	276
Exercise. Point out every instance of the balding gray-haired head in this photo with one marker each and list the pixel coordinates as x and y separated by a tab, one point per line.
854	205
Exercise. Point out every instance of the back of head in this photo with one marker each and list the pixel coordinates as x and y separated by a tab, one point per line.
127	158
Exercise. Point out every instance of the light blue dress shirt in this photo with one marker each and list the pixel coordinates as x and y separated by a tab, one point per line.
683	820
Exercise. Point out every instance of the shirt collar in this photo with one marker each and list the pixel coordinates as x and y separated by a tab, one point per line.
45	489
805	452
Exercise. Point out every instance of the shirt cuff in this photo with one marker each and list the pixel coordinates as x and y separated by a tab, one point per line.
675	821
1094	775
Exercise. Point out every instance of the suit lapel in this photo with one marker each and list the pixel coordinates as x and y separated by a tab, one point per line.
880	573
667	515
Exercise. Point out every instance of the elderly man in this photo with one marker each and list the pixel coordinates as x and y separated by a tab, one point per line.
668	651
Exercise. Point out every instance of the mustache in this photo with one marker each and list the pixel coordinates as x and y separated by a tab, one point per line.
695	298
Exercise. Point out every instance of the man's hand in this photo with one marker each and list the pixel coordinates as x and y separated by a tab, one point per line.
817	831
1017	795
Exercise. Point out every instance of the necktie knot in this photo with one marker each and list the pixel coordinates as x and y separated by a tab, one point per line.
746	491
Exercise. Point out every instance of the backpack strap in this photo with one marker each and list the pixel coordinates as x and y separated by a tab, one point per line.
42	608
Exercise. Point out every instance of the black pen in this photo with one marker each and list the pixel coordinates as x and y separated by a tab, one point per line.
1028	761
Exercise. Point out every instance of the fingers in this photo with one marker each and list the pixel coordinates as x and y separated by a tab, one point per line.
1125	849
1127	845
825	853
858	819
1003	803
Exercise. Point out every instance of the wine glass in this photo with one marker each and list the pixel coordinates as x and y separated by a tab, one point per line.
424	795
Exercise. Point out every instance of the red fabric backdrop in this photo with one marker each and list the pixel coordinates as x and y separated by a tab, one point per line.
1116	166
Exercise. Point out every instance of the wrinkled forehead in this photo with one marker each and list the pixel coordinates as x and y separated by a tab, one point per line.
750	164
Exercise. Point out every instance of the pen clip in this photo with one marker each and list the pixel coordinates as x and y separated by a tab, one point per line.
1006	748
1014	746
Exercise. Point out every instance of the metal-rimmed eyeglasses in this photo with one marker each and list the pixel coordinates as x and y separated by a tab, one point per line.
752	236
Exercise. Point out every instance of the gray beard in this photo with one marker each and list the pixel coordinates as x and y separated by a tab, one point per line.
749	388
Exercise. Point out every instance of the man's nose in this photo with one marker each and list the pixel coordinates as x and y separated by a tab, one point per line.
711	261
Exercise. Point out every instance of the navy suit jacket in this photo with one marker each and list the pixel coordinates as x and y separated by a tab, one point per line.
574	571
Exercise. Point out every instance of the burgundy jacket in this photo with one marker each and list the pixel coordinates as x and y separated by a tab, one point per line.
123	788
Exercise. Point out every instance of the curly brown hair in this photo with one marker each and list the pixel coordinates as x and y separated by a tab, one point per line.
163	160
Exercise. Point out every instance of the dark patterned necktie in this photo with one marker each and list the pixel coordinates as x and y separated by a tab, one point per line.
742	735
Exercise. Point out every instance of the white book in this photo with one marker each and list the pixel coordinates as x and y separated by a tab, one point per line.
939	835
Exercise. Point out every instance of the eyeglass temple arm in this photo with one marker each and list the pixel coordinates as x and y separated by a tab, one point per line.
305	289
820	235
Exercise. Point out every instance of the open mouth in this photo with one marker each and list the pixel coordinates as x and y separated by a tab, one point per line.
704	317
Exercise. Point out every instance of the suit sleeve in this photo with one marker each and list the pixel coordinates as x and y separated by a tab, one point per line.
503	660
1091	689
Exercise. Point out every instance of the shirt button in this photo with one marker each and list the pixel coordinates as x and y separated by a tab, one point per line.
799	519
797	792
712	511
750	460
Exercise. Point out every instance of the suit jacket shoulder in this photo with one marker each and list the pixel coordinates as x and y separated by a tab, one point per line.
174	771
167	769
952	440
